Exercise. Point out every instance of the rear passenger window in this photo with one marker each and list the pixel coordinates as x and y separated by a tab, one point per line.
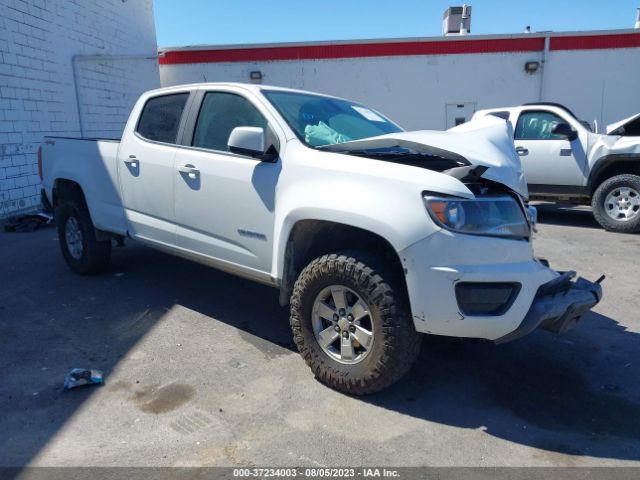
161	116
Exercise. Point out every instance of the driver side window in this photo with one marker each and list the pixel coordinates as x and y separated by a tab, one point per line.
537	125
220	113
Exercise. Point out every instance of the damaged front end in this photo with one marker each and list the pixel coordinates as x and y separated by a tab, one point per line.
475	275
482	148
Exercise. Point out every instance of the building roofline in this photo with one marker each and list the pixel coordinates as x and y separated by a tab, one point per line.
471	44
358	41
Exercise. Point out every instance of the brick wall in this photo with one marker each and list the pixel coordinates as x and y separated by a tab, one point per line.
67	68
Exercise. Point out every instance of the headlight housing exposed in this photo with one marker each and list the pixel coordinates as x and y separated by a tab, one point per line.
497	216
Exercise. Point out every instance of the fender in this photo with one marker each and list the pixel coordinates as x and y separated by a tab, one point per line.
370	206
607	161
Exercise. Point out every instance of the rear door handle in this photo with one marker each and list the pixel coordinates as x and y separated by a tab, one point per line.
522	151
132	161
190	170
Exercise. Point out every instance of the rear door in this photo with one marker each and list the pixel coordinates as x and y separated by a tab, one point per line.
225	202
146	168
549	159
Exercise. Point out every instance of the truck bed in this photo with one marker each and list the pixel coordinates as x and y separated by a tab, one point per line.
91	163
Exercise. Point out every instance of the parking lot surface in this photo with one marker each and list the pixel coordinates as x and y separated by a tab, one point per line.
201	370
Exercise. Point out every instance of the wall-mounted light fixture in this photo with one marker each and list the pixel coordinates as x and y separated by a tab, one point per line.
531	67
255	76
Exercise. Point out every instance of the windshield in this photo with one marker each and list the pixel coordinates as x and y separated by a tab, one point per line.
319	121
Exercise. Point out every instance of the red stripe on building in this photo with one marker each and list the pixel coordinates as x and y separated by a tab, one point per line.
399	49
354	50
596	42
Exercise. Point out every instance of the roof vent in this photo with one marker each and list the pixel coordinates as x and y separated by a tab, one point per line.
457	21
637	18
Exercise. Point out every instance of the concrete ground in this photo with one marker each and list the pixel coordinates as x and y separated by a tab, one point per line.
200	370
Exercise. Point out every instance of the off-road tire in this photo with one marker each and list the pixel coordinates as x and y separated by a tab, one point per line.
396	343
599	208
95	254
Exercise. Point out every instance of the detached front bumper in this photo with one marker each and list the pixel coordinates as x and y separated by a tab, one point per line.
558	306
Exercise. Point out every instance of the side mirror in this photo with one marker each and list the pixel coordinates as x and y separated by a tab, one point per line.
250	141
565	130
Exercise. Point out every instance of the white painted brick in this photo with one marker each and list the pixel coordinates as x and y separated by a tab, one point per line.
13	172
15	138
7	184
38	39
29	191
15	194
6	126
21	182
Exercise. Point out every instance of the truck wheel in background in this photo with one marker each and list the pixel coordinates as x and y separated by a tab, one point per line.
351	323
616	203
81	250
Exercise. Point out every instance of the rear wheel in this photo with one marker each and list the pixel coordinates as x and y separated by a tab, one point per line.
81	250
351	324
616	203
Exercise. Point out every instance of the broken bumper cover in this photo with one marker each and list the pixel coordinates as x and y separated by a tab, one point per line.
558	306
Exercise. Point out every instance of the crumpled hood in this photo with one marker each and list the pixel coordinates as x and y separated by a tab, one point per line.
615	126
487	141
605	145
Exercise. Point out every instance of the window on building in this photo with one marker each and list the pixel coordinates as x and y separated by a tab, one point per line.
221	112
537	125
161	116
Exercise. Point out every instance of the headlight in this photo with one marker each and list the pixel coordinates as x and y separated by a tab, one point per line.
498	216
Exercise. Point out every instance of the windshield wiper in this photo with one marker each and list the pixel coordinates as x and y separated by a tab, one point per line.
381	153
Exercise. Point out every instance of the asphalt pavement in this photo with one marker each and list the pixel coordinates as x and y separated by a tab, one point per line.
201	370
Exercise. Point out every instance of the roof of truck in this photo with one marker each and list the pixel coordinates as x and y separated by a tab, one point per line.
253	87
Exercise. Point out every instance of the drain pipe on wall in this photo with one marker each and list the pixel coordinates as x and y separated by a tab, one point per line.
545	54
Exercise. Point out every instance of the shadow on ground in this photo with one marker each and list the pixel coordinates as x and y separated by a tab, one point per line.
573	394
566	215
576	394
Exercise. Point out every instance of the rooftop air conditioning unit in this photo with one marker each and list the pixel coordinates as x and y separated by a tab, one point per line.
457	20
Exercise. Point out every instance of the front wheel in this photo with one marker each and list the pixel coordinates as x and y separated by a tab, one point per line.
616	203
81	250
351	324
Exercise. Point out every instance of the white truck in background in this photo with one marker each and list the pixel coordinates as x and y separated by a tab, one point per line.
565	161
373	235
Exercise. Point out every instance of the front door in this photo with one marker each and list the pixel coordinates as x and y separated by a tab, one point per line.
548	159
225	202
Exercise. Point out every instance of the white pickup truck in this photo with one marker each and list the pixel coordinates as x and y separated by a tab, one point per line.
565	161
372	234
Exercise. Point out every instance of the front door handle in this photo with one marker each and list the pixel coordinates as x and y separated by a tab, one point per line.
522	151
132	161
190	170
